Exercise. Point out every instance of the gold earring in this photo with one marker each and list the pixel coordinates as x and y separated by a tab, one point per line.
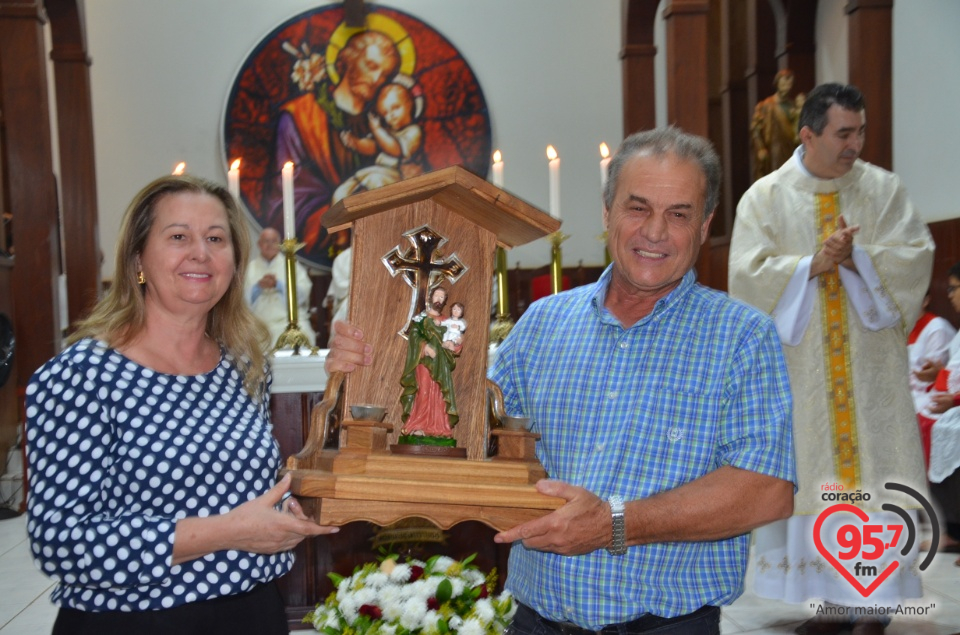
141	279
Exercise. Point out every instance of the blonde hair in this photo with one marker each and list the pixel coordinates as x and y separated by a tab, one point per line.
120	316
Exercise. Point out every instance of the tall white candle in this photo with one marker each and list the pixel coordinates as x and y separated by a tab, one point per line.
554	165
289	224
604	165
233	179
497	169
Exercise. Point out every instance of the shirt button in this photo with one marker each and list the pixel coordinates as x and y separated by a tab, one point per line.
599	447
612	394
623	345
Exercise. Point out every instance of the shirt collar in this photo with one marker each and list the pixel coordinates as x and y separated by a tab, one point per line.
664	303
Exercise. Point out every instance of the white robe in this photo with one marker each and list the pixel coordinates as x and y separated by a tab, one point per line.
932	345
774	238
270	305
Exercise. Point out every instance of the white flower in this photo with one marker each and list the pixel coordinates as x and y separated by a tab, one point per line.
455	622
441	564
307	72
377	579
366	595
504	597
413	612
471	626
391	602
473	577
458	586
400	573
430	620
388	629
484	611
349	608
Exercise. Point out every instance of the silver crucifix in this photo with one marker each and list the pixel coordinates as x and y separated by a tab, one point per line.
422	267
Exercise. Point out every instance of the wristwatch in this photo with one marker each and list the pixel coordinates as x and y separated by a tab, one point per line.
618	545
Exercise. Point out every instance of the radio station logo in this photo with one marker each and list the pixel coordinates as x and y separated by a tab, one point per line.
866	553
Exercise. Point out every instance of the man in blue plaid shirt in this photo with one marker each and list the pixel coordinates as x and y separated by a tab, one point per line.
664	411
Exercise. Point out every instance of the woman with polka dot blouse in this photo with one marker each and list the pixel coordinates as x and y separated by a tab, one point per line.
153	471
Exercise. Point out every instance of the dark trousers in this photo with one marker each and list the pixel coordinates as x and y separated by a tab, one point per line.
705	621
257	612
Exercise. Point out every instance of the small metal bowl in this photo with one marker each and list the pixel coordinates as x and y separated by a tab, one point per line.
516	423
367	412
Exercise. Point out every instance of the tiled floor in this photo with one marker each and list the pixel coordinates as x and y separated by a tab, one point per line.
25	607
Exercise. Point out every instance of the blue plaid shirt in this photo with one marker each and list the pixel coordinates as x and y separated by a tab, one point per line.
697	384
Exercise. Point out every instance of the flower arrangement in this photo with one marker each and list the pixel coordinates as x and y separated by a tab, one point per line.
436	597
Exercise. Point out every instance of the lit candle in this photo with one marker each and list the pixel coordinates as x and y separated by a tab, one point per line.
289	227
181	167
497	170
554	182
604	165
233	179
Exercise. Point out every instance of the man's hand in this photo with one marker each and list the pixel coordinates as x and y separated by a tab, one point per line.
582	525
837	249
348	351
928	372
940	403
268	281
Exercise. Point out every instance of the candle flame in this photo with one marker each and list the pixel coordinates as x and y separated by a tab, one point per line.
235	165
288	166
181	167
497	157
604	151
551	153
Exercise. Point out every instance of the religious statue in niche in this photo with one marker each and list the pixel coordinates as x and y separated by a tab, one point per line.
434	340
429	403
353	109
774	127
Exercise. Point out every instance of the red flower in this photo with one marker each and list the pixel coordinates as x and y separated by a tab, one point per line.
433	604
371	611
415	573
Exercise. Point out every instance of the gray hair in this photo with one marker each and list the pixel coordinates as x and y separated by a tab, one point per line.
662	141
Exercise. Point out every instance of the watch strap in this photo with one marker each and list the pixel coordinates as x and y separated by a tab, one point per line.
618	546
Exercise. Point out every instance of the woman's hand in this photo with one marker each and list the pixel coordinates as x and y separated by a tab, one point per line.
256	526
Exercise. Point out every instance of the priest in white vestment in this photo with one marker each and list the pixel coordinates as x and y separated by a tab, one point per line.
833	249
265	287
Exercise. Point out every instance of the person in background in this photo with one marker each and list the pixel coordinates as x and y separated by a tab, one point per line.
266	289
833	249
928	348
664	413
939	420
152	467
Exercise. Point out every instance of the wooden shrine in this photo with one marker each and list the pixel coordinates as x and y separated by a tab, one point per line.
438	229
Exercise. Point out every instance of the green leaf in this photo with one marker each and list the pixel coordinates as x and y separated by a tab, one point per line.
329	630
442	626
444	591
469	559
335	578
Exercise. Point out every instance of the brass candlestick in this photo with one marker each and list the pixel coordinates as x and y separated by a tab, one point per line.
556	261
292	336
606	247
503	324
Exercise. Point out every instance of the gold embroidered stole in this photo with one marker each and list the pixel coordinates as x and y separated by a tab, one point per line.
833	314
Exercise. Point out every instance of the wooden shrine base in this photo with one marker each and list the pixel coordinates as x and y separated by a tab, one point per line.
383	488
428	450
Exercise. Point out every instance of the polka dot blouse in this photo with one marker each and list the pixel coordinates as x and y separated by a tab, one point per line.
117	454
